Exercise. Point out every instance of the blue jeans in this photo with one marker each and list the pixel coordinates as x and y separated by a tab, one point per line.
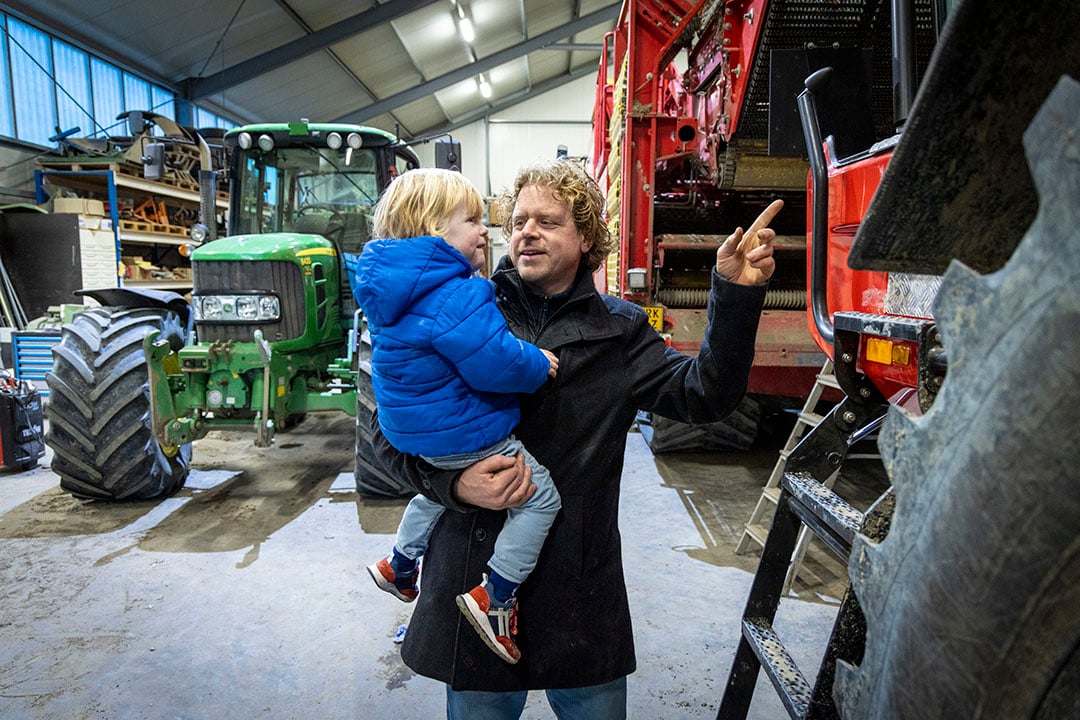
596	702
518	545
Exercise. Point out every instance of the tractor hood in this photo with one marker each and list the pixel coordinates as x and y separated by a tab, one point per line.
271	246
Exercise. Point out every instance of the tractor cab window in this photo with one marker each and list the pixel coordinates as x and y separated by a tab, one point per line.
258	197
310	190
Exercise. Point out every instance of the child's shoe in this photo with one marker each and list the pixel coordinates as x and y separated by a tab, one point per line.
496	626
403	588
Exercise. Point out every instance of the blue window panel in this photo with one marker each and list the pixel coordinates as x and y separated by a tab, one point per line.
74	102
31	67
202	118
207	119
108	96
136	93
164	102
7	112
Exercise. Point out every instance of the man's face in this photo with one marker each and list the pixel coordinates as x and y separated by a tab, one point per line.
545	245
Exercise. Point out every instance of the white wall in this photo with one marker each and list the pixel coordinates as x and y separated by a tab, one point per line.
492	150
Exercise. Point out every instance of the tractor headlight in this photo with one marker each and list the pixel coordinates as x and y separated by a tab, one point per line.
254	308
269	306
247	308
208	308
198	234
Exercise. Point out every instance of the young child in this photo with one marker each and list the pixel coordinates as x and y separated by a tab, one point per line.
446	371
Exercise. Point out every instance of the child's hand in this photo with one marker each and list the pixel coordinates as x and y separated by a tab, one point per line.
553	370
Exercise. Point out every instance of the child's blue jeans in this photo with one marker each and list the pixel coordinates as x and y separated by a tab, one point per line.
518	545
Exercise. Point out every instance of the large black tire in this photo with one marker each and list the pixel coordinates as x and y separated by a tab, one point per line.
371	478
735	433
971	600
99	407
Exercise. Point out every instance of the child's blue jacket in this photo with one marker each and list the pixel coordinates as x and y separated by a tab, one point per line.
446	369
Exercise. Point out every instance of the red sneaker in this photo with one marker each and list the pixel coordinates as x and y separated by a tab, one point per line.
403	588
496	626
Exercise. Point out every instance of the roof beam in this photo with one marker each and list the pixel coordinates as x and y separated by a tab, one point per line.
241	72
482	65
573	47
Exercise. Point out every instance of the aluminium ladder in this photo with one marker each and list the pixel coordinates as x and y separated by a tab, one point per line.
756	529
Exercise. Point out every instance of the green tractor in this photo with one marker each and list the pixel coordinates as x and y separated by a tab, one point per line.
271	333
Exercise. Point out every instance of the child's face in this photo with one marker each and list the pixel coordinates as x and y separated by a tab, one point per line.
468	235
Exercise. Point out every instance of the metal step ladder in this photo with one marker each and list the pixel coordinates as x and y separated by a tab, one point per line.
805	502
756	529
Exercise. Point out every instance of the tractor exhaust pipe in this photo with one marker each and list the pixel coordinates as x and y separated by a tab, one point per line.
207	190
819	215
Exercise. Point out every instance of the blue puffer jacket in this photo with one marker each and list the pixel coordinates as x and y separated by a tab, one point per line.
445	367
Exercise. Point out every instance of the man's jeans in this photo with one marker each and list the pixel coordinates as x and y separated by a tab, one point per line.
596	702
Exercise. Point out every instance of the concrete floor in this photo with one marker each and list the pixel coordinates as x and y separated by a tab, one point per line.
245	596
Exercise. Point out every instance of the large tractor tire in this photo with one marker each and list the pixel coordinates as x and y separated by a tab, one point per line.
99	407
971	600
735	433
371	478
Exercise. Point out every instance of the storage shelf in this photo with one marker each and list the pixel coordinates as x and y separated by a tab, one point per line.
106	180
77	177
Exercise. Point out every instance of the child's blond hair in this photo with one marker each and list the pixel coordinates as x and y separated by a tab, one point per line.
420	202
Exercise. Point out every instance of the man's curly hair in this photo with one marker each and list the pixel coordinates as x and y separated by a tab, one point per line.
568	182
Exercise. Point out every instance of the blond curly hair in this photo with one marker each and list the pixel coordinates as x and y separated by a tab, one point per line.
568	182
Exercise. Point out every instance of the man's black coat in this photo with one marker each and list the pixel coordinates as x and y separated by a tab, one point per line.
573	614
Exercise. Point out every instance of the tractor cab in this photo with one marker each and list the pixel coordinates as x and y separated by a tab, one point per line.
311	179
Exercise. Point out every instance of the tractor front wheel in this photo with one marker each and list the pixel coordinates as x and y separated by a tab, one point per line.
99	408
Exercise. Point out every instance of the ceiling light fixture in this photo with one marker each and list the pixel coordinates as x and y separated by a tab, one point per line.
466	27
485	87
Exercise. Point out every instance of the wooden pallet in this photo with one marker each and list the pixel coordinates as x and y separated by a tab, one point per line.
148	227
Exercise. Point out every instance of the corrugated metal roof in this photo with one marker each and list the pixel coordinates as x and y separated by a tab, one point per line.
400	64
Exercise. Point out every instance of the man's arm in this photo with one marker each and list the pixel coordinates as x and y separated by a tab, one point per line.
495	483
705	388
710	386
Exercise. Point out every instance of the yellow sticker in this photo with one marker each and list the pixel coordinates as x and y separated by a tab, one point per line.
656	317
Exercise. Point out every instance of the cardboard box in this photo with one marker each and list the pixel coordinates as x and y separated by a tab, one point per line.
79	206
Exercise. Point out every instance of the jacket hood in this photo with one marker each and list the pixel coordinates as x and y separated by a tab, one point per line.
392	274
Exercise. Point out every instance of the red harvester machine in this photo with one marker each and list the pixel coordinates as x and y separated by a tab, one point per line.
690	141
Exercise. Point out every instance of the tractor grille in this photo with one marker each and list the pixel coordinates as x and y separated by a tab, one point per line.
276	276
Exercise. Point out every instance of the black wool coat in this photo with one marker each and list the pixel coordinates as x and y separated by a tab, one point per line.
573	614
